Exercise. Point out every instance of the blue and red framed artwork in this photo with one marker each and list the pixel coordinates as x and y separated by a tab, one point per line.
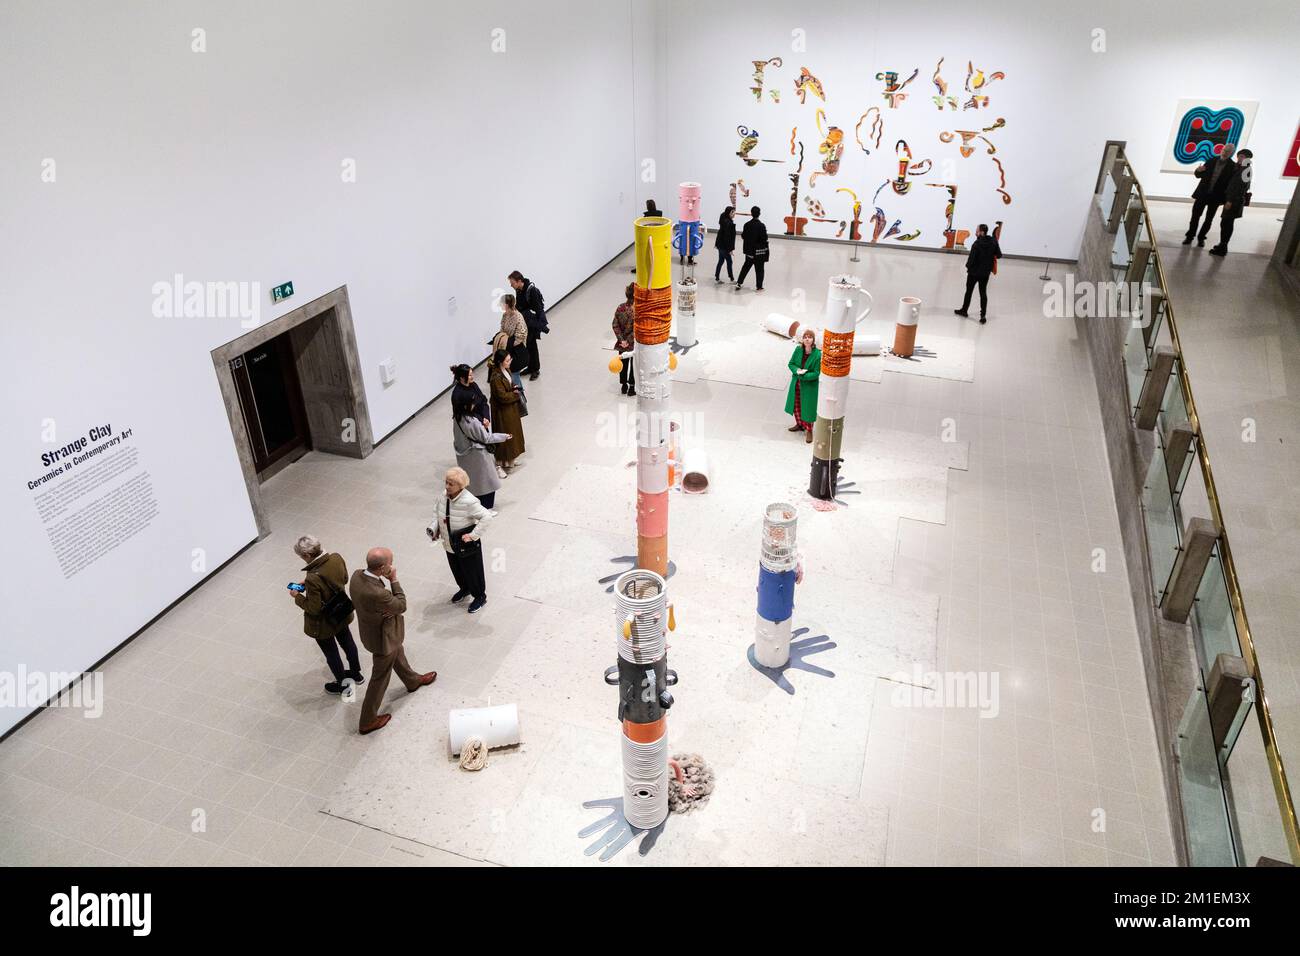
1202	128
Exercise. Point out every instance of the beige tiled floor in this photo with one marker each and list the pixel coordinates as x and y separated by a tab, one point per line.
218	708
1255	233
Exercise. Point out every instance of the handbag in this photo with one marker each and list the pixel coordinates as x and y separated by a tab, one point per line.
459	546
337	608
523	403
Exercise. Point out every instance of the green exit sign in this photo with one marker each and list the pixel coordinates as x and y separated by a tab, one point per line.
282	292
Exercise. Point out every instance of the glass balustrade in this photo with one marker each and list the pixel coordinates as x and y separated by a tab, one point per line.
1237	806
1253	797
1216	631
1135	365
1164	530
1210	837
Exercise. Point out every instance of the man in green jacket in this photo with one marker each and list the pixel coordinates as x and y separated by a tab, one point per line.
327	574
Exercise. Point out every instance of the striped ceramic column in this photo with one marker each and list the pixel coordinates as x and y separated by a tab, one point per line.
777	569
642	619
909	312
833	390
653	307
688	240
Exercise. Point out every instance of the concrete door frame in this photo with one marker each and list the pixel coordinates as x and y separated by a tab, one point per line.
362	438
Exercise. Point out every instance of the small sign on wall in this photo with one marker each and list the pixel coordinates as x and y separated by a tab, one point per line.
282	292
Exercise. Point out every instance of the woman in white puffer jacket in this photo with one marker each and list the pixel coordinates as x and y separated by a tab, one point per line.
458	523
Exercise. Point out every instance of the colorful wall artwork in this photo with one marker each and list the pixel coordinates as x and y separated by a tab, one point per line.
807	83
757	89
1202	128
871	178
1291	168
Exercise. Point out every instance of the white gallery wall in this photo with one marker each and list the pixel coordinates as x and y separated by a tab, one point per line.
1062	97
228	165
1180	50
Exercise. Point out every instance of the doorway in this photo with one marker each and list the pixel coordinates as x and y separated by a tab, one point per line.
291	386
270	400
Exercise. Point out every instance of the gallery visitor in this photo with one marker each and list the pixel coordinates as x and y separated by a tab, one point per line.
507	412
381	606
724	240
465	388
458	522
515	329
326	610
753	243
801	397
624	340
984	252
1235	200
532	304
651	210
1212	178
471	441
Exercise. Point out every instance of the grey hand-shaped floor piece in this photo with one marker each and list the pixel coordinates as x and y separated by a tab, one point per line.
630	561
618	832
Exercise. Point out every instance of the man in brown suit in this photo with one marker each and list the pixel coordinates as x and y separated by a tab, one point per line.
380	604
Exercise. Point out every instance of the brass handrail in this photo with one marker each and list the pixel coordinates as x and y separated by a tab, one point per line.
1277	770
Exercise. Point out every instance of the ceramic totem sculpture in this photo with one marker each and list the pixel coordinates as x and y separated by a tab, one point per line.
909	313
652	304
688	235
642	619
777	572
842	297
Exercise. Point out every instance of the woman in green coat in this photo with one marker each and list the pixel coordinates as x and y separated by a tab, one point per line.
805	370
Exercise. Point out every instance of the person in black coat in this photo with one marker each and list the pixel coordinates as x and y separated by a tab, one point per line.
1213	177
467	390
753	243
724	240
529	300
651	210
979	266
1235	198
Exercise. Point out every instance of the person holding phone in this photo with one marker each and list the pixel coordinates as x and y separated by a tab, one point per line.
324	617
458	523
471	440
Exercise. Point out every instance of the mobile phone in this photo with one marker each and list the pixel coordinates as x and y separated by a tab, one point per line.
296	587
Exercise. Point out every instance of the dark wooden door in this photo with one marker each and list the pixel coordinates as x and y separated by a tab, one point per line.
270	398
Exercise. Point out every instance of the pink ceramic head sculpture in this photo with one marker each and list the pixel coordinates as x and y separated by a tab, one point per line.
688	202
